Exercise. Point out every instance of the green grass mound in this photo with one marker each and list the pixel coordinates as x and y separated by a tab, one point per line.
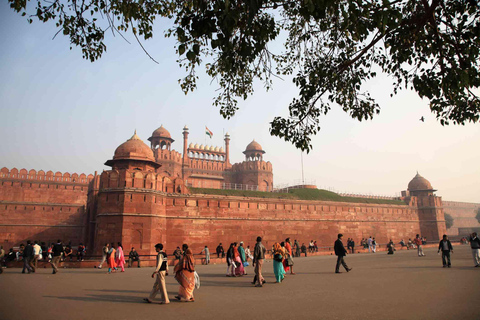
294	194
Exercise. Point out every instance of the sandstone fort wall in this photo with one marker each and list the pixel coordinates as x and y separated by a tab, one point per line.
44	206
463	214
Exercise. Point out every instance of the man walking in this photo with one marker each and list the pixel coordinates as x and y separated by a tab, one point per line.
27	257
57	255
446	246
207	254
36	255
475	245
340	252
418	242
258	258
104	255
161	271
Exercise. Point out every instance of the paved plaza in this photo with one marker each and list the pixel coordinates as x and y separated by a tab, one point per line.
381	286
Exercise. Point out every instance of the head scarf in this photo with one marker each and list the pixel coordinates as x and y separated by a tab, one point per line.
188	261
278	249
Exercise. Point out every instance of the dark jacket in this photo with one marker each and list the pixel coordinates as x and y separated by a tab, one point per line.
28	251
133	255
475	243
259	252
231	253
57	249
440	246
339	248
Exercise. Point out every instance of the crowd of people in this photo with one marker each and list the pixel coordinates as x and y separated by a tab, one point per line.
238	257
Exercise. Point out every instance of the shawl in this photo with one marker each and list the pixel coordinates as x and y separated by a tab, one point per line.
278	249
186	263
120	256
241	251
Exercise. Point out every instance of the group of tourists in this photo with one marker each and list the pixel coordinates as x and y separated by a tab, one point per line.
184	273
114	257
42	252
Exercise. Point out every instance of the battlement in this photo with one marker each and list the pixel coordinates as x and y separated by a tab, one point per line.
168	155
252	165
49	176
114	179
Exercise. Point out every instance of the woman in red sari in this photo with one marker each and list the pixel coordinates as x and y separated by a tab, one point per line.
111	259
185	275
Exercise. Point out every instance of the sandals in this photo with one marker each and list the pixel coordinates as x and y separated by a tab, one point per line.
147	300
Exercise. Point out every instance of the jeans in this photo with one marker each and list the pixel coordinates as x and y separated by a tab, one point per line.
445	258
476	256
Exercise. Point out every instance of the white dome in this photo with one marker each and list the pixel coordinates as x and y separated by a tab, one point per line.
201	147
190	145
217	149
222	150
196	146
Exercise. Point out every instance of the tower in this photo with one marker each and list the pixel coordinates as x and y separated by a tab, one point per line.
161	139
185	151
254	172
430	208
129	207
227	151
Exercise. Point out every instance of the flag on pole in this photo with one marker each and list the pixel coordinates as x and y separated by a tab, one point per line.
208	132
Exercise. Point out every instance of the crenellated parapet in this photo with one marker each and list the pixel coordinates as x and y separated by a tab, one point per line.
41	175
252	166
168	155
133	179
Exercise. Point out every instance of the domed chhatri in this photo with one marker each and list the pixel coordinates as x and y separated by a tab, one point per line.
254	151
161	133
254	146
161	139
135	149
419	183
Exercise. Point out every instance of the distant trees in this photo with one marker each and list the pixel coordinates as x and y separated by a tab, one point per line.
448	221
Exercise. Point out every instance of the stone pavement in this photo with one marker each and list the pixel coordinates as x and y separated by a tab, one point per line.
381	286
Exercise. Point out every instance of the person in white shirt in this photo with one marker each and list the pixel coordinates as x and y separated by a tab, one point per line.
370	244
160	271
37	251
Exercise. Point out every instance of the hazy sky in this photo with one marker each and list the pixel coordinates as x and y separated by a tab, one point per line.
62	113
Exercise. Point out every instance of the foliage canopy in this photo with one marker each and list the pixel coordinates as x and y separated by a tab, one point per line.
448	220
332	48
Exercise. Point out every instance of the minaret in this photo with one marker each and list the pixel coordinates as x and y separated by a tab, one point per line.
227	151
185	149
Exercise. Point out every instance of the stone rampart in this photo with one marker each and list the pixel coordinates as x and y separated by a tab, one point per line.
463	214
208	220
42	206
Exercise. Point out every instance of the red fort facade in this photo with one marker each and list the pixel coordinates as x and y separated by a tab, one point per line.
146	198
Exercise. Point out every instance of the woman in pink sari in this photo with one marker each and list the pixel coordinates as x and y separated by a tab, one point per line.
120	257
185	275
